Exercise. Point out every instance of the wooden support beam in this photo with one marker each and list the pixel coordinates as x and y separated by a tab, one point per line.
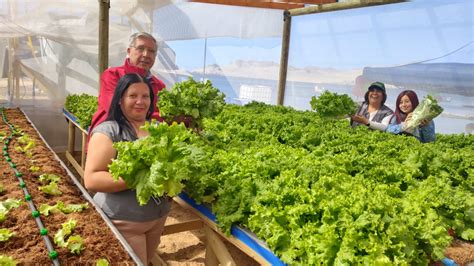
183	226
281	4
254	3
75	164
313	2
340	6
236	242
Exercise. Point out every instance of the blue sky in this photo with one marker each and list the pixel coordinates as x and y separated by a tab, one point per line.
387	35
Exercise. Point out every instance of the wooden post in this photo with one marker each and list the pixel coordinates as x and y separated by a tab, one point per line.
216	249
13	70
10	70
12	7
210	258
70	152
83	151
104	6
16	76
71	129
182	226
285	47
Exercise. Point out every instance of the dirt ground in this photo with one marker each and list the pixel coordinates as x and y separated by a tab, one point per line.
26	246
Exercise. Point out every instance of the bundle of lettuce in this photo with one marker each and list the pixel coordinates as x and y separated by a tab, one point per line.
333	106
427	109
192	100
157	164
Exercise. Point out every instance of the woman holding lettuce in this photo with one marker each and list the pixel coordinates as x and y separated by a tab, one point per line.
141	226
373	112
403	122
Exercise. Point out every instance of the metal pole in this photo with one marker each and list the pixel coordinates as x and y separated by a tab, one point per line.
285	47
104	6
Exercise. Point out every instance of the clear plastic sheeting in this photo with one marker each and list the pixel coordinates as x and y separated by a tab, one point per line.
217	21
49	49
423	45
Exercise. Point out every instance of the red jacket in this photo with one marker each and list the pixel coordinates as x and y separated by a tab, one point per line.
108	82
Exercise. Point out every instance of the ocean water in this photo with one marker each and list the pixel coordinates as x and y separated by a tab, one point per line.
458	115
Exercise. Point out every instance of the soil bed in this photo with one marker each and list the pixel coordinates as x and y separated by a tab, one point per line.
27	246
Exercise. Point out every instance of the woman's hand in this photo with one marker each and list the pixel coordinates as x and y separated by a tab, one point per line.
405	124
424	122
183	119
360	119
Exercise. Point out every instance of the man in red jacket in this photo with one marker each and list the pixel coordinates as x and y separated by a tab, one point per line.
141	55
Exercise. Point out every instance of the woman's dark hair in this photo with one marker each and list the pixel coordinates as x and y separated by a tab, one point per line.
115	112
401	116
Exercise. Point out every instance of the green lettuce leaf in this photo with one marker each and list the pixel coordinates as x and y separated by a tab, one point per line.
64	232
51	189
75	244
7	261
5	234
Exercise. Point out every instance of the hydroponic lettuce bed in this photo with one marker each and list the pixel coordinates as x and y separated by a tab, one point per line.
27	245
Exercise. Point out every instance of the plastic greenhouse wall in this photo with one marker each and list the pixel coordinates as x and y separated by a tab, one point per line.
422	45
49	49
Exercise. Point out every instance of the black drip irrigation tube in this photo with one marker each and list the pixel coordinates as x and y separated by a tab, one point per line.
52	254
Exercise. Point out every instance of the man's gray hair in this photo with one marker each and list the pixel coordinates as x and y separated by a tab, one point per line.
142	34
